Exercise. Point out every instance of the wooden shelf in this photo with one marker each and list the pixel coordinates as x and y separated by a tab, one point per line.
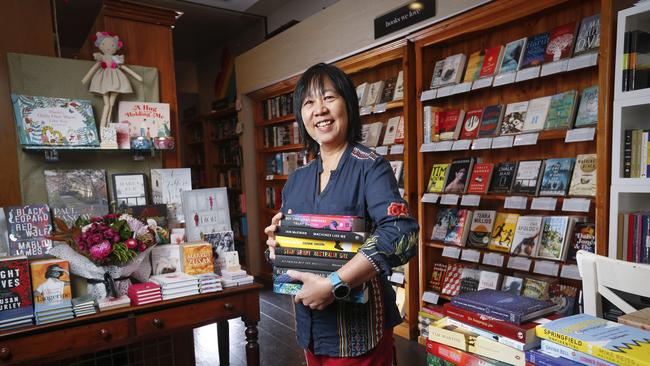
224	139
223	112
275	121
432	244
275	177
283	148
270	211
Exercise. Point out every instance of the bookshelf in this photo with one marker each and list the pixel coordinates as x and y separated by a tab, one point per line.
630	110
487	26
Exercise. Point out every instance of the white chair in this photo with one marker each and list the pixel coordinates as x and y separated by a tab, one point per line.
602	274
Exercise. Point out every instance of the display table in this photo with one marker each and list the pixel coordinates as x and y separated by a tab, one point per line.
120	327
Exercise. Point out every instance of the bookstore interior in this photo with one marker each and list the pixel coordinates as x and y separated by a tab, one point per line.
136	200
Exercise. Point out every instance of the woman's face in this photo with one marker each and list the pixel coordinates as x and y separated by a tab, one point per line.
325	115
460	174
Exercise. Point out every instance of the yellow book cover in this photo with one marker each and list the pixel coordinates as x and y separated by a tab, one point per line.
437	178
474	64
305	243
503	232
197	258
450	335
51	284
490	348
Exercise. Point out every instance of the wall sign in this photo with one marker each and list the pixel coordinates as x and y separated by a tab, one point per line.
404	16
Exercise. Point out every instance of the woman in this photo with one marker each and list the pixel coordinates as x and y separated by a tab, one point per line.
457	185
345	178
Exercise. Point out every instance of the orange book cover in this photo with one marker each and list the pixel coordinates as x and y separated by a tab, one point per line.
197	258
51	284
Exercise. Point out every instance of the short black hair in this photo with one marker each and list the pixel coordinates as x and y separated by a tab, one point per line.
314	78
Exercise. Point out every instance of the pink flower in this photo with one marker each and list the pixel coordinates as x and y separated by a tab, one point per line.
143	247
101	250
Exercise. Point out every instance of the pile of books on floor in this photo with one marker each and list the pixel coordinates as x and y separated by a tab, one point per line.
209	282
144	293
83	305
52	292
318	244
177	284
16	295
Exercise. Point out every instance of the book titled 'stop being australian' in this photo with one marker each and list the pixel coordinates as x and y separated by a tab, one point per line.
504	305
327	222
614	342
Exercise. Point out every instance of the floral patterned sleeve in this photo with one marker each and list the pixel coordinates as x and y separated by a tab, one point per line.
394	239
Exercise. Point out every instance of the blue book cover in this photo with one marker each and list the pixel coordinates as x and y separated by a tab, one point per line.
540	358
504	305
535	50
512	55
556	178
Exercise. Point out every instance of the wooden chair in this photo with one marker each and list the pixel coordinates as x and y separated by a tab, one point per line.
602	274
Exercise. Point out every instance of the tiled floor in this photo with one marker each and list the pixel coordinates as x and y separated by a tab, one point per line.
277	339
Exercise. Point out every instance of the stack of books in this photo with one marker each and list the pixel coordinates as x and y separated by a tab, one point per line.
318	244
231	278
52	292
83	305
111	303
175	285
144	293
15	293
209	282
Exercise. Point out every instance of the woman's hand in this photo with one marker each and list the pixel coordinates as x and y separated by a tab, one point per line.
270	232
316	291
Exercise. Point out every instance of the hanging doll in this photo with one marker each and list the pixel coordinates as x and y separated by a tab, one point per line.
106	76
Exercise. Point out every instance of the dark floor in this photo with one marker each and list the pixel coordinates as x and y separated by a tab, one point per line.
277	339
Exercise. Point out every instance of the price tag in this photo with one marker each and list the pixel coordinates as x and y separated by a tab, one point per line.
526	139
527	74
544	203
546	268
471	255
449	199
397	149
580	134
470	200
428	147
570	271
482	83
516	202
503	79
554	67
445	91
493	259
397	277
380	107
269	177
430	297
430	197
582	61
502	142
520	263
444	146
381	150
482	143
364	111
428	94
462	88
451	252
461	145
576	204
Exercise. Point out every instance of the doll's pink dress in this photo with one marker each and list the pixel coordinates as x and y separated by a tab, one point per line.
109	77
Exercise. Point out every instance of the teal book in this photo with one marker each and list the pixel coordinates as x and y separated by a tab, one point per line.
512	56
588	108
561	111
556	177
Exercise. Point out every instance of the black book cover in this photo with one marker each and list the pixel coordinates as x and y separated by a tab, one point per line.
627	154
502	177
301	263
305	232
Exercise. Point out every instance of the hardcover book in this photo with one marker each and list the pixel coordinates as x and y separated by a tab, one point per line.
327	222
588	108
554	237
471	124
397	166
45	121
206	211
222	242
15	289
145	119
451	282
503	232
474	64
489	280
458	227
536	114
469	280
305	243
329	254
374	92
503	305
436	80
491	61
565	297
28	228
166	259
166	187
560	43
588	38
512	54
561	110
451	123
437	276
391	130
536	288
389	90
480	229
452	71
459	171
513	120
304	232
527	177
583	181
503	176
527	235
399	86
491	120
582	238
51	284
512	285
74	193
556	178
307	263
129	190
481	174
362	93
196	258
437	178
399	133
371	133
535	50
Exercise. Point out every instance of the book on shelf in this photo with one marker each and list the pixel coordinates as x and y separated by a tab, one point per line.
560	42
582	238
503	233
319	244
362	93
561	110
78	192
450	124
512	285
453	68
374	93
165	258
51	284
459	170
399	132
588	37
166	188
452	225
535	50
536	288
196	258
491	120
489	280
399	86
480	229
451	281
504	306
588	108
129	190
556	176
437	276
15	290
639	61
553	244
222	242
28	228
437	178
502	177
206	211
436	78
305	232
491	61
536	114
474	63
397	166
513	119
471	124
145	119
527	235
512	56
389	90
527	178
371	133
391	130
583	180
481	175
469	280
566	297
327	222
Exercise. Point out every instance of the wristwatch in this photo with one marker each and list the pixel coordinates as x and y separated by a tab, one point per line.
340	289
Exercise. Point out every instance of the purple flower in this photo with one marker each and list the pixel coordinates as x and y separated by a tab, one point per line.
101	250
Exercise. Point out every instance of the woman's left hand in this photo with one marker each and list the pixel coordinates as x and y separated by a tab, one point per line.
316	291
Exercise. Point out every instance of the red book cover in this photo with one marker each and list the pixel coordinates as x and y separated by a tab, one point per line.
15	289
449	124
399	135
478	183
435	125
471	124
491	60
143	288
560	43
630	238
437	276
453	355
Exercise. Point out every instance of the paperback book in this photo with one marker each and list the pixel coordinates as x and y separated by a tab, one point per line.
502	178
166	259
196	258
222	242
513	120
503	232
556	177
437	178
561	111
554	237
512	55
437	276
469	280
304	232
491	61
480	229
436	77
459	171
450	124
471	124
491	120
560	43
535	50
51	284
588	108
474	64
481	174
305	243
527	235
206	212
536	114
15	290
528	177
166	187
327	222
582	238
74	193
588	38
583	181
28	228
512	285
453	68
536	288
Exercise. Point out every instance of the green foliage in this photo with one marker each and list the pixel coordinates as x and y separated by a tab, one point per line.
121	253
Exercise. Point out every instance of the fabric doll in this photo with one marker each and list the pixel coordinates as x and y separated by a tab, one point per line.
107	74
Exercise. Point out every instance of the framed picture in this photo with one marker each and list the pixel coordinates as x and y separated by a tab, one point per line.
130	190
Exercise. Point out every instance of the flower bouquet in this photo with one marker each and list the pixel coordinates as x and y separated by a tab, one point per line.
106	251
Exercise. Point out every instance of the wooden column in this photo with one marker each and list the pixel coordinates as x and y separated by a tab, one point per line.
26	27
147	35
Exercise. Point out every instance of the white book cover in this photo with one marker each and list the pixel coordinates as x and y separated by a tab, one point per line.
373	134
583	181
166	187
399	86
513	119
165	259
536	114
397	166
428	121
527	235
206	211
362	92
437	73
374	93
391	130
488	279
453	69
167	279
145	119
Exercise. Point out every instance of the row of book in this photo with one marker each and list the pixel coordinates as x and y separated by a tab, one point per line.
279	106
550	177
636	60
224	127
228	152
285	163
371	133
545	113
230	178
634	236
280	135
560	43
546	237
635	154
382	91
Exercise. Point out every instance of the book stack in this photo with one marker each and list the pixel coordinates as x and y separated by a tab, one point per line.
16	293
83	305
235	278
111	303
52	292
144	293
318	244
209	282
176	285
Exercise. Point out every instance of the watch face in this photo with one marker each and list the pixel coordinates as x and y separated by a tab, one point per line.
341	291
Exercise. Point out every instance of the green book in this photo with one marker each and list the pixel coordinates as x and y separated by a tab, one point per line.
561	110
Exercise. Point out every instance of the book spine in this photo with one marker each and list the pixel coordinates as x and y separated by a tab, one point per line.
308	263
337	223
455	356
643	164
303	243
314	253
487	310
356	296
496	326
627	154
277	271
349	236
570	354
541	359
626	61
489	348
496	337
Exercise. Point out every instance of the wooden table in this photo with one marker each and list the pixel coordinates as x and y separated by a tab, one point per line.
123	326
